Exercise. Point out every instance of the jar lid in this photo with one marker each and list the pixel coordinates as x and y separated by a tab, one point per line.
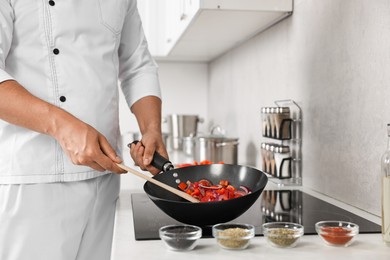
282	149
283	110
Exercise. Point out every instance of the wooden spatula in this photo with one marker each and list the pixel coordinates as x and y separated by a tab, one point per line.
159	183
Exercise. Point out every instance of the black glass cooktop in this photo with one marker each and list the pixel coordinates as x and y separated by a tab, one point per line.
273	205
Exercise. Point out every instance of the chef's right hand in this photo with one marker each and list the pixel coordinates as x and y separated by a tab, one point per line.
84	145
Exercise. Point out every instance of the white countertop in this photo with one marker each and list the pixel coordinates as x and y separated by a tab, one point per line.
366	246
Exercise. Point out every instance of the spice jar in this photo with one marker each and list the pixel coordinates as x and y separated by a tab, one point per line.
263	156
269	128
272	160
264	122
282	162
282	123
272	114
267	159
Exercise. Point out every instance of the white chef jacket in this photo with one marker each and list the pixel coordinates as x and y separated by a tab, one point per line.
72	54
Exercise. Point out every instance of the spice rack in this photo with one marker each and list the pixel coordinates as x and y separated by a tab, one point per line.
282	156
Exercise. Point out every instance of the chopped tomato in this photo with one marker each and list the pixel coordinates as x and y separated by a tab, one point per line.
223	194
184	165
205	198
196	192
221	191
182	186
205	191
231	188
204	162
223	182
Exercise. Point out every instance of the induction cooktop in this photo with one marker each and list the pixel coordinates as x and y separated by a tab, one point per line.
272	206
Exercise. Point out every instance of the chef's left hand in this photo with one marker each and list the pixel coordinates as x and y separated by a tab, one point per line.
142	152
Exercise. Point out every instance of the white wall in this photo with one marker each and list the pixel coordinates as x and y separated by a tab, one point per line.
184	87
333	58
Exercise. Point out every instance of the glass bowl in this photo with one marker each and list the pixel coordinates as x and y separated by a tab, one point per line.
283	234
180	237
337	233
233	236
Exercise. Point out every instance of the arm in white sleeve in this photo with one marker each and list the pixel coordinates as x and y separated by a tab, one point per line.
137	70
6	30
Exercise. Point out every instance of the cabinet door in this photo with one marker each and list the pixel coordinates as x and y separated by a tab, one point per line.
164	22
153	16
172	16
191	7
179	14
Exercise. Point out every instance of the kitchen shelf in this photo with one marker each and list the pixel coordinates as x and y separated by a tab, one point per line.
213	27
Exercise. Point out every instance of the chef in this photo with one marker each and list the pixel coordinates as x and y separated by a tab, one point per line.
60	66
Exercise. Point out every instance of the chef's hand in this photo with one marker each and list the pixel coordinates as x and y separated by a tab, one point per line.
142	152
86	146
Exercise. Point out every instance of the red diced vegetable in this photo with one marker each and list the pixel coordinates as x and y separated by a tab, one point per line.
223	182
182	186
183	165
205	191
204	162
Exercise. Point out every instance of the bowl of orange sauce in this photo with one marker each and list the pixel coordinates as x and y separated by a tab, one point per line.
337	233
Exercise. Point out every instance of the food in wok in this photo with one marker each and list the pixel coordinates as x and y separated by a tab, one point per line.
213	212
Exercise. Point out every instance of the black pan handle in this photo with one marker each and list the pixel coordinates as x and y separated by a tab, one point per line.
158	160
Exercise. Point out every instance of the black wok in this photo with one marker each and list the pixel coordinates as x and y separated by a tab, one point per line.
207	213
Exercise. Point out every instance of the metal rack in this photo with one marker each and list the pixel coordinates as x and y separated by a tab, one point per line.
294	142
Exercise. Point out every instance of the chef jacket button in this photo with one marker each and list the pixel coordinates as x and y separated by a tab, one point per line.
62	98
52	3
56	51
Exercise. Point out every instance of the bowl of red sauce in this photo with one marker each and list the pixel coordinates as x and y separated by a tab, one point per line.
337	233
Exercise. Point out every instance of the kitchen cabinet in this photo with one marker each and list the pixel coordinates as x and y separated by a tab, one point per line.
201	30
178	15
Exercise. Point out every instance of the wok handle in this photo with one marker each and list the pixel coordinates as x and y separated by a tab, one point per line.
160	184
158	160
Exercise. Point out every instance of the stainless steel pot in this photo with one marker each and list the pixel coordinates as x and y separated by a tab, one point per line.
188	144
181	126
216	149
